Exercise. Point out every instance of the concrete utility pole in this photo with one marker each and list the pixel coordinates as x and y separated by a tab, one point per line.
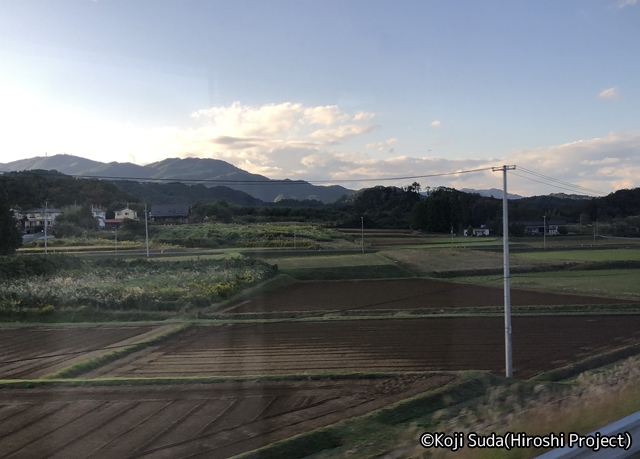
115	228
544	232
46	214
507	280
146	227
362	220
452	235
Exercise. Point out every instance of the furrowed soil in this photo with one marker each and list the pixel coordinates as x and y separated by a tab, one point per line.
389	345
400	294
32	352
186	421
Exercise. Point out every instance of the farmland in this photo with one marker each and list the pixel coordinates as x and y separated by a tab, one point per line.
209	420
242	354
32	352
391	345
402	294
622	283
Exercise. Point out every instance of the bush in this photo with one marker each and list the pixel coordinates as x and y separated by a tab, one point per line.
13	267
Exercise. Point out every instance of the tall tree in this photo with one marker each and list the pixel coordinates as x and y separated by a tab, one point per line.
10	237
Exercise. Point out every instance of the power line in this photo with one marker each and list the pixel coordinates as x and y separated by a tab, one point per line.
551	184
254	182
529	171
561	182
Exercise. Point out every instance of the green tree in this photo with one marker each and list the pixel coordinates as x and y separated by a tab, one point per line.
10	237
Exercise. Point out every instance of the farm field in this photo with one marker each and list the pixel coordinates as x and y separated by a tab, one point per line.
189	420
585	255
32	352
396	345
328	261
614	282
401	294
436	260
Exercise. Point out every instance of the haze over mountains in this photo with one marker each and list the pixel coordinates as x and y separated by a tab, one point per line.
183	169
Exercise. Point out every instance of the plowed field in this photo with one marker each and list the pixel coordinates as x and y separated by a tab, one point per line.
31	352
539	344
212	421
400	294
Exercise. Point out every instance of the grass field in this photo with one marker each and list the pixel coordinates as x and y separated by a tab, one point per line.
585	255
607	282
438	260
330	261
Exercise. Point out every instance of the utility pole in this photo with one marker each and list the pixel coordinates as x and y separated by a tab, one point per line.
146	227
295	244
46	215
452	235
544	232
362	220
507	280
115	228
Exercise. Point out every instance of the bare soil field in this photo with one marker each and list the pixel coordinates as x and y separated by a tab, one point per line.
397	345
32	352
429	261
196	420
400	294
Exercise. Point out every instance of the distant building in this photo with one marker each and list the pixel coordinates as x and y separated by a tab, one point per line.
21	219
36	217
126	213
170	213
482	231
100	215
536	227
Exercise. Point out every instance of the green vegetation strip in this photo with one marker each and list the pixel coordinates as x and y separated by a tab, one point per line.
388	271
96	362
383	314
469	386
589	363
173	380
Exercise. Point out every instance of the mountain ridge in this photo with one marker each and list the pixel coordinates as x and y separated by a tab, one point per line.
188	169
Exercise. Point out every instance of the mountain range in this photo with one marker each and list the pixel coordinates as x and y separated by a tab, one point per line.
492	193
190	169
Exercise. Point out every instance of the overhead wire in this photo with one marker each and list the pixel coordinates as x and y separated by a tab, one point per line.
258	182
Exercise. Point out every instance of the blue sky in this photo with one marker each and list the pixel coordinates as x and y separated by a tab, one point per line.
330	89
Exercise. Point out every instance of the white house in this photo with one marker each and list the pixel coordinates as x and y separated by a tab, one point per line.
126	213
37	217
99	215
482	231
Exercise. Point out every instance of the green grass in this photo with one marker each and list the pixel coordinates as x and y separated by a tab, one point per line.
585	255
387	271
195	257
605	282
329	261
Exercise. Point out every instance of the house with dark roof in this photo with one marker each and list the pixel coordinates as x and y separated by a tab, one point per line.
170	213
536	228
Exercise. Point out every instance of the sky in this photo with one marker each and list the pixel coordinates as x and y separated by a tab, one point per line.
332	90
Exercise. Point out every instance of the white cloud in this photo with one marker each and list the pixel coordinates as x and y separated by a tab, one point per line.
610	94
363	116
623	3
436	123
383	146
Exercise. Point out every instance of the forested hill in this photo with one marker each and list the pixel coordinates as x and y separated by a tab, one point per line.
32	188
380	207
264	188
